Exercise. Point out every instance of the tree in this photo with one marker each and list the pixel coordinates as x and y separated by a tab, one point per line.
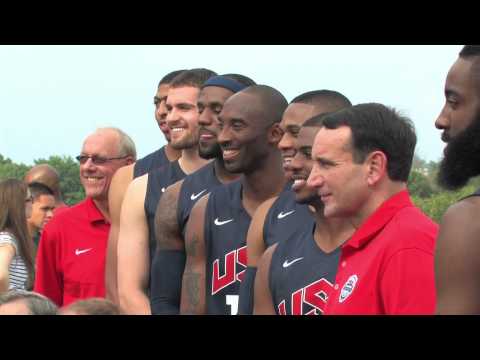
67	168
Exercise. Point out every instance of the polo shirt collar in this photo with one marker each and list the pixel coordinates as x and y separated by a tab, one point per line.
376	222
93	214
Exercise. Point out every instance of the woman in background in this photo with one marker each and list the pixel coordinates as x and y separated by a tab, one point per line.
16	247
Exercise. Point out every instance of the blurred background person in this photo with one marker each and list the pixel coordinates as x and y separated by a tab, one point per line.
16	246
26	303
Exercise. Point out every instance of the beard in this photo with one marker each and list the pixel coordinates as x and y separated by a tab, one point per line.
212	152
462	158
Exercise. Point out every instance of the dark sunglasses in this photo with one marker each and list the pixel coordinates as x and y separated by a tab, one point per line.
97	160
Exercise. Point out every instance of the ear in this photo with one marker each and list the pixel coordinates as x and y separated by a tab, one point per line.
130	160
275	134
376	163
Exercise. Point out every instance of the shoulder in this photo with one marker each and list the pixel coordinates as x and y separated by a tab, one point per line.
7	240
411	228
123	175
460	221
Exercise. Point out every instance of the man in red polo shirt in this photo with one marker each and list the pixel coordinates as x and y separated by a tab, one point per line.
71	255
363	157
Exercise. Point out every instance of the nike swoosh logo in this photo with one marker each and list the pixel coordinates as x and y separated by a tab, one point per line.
163	189
195	196
79	252
282	215
287	264
220	223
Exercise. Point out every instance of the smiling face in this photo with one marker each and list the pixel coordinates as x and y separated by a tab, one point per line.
339	181
302	165
160	101
243	136
96	178
182	118
293	118
210	104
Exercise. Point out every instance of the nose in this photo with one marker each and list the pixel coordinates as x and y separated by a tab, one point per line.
286	142
206	118
443	119
296	164
315	179
224	137
161	110
88	164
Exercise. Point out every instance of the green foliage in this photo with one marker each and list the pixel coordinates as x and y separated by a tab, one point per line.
420	185
68	169
436	205
8	169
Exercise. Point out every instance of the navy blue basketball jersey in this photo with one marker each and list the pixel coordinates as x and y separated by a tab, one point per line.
151	161
284	217
226	227
194	187
158	180
301	275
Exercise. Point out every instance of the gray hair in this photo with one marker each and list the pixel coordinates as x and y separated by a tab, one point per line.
36	303
126	144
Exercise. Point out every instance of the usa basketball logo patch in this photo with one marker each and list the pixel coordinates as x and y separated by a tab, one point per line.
348	288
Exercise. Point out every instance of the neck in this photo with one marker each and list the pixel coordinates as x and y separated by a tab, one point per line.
378	196
222	174
190	161
263	183
102	205
331	233
171	153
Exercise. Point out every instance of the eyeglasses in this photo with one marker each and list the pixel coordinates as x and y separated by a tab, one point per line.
97	160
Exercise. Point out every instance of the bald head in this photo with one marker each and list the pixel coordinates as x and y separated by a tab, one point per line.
46	175
266	100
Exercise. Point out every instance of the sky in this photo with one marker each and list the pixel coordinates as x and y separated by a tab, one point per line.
52	97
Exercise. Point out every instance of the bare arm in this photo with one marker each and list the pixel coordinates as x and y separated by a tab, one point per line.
263	303
7	252
457	259
133	251
122	178
169	260
193	299
255	241
255	249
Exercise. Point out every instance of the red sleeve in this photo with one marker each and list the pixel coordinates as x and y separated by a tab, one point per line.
408	283
48	278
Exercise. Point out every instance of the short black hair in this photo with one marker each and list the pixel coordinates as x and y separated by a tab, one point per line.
192	77
469	52
315	121
242	79
378	127
272	100
332	100
167	79
37	189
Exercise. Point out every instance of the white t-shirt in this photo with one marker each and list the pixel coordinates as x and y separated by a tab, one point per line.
18	274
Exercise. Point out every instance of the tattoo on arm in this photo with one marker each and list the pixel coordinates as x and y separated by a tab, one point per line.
192	279
167	231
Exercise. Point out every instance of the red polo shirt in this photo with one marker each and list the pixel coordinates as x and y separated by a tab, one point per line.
71	255
387	266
